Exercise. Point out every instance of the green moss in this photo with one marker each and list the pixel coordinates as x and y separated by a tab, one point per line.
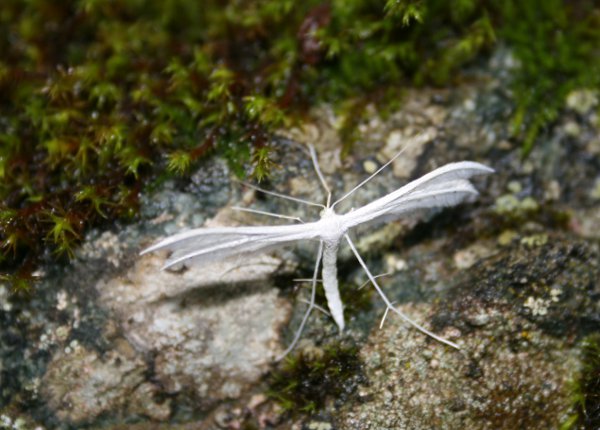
305	381
586	391
100	98
556	44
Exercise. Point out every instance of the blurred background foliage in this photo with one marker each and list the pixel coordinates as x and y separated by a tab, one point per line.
98	98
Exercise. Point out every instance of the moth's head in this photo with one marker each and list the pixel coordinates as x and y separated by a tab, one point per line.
327	212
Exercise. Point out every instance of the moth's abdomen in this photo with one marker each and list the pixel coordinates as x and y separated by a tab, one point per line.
330	282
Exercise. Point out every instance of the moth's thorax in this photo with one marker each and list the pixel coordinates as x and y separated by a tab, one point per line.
327	212
331	227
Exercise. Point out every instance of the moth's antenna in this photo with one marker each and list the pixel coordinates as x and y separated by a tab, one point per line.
390	305
417	139
256	211
282	196
315	161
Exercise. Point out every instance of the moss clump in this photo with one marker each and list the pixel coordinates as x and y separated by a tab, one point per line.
587	388
99	98
304	382
556	44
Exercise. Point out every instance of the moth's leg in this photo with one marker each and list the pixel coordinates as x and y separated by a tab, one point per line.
306	280
317	307
381	275
418	139
315	161
384	317
256	211
311	304
390	304
282	196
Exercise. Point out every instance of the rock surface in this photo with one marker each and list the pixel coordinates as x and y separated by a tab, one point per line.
211	330
80	385
514	370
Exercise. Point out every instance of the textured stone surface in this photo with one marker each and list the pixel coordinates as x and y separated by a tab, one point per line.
517	361
80	385
487	385
211	330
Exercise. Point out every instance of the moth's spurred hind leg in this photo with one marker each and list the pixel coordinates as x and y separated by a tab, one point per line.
390	305
311	304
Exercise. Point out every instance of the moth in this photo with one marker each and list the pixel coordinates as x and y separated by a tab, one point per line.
446	186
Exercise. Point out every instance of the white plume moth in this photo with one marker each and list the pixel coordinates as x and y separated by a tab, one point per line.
446	186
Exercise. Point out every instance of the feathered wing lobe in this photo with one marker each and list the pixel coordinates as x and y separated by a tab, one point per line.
204	245
443	187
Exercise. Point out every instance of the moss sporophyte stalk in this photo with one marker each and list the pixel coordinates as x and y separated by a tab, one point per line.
101	99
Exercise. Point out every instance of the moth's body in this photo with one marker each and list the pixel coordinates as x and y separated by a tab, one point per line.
332	228
443	187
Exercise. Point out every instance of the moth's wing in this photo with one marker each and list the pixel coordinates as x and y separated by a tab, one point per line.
204	245
446	186
444	195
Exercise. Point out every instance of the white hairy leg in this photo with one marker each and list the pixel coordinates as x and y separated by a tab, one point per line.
311	305
390	305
